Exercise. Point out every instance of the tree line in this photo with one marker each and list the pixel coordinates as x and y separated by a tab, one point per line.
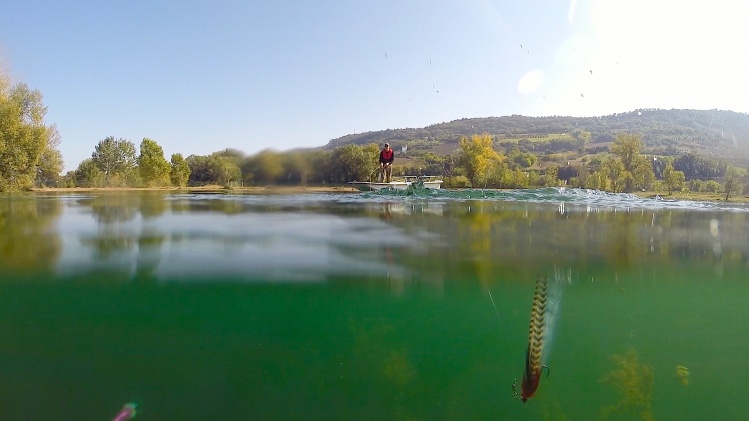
29	156
478	164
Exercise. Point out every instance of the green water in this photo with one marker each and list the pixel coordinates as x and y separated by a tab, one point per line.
369	306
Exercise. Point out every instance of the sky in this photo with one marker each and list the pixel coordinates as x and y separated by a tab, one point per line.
201	76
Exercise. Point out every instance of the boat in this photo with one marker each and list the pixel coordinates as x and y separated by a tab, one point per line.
400	183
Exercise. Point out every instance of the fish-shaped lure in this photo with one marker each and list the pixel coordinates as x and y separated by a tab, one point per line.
540	334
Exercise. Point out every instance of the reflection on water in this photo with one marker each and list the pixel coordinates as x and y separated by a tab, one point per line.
368	305
28	236
287	238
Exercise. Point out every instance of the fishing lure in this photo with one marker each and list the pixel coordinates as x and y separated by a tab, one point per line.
540	334
127	413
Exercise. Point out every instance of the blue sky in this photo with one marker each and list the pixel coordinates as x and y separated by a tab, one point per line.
199	76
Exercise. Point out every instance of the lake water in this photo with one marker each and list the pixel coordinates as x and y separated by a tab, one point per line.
370	306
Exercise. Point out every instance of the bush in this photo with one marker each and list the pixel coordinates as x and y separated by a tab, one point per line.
459	181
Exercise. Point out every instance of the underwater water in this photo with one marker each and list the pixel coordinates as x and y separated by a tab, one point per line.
370	306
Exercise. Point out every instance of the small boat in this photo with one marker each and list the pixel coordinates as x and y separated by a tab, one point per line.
402	183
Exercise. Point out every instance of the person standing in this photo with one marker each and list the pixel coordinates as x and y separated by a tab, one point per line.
387	156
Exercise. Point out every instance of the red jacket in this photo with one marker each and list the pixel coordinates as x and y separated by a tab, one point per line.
387	156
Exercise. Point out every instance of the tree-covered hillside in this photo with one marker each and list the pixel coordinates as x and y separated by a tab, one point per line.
718	134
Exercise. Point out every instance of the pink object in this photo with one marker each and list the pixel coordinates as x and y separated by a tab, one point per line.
128	412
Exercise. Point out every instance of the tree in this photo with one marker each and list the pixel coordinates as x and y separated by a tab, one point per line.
522	159
627	147
49	167
319	166
68	180
353	162
637	171
296	167
582	136
566	173
213	169
520	178
23	135
225	169
550	178
264	167
642	173
88	174
234	155
693	165
180	171
115	158
731	182
599	181
479	158
154	168
438	164
672	178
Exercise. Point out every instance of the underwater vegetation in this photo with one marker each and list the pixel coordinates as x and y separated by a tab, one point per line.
682	373
633	381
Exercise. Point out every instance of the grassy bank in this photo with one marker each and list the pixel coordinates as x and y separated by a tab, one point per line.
207	189
700	197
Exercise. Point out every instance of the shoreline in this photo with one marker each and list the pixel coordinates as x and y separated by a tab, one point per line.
696	197
700	197
202	189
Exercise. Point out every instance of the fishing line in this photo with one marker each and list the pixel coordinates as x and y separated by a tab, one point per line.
493	305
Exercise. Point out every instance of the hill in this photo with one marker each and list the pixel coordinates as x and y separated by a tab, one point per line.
713	133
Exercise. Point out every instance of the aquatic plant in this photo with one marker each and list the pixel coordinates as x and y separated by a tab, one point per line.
682	373
634	382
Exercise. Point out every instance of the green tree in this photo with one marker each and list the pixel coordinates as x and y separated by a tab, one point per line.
697	166
582	136
550	178
731	182
353	162
521	178
216	168
498	176
234	155
297	167
180	170
599	180
637	171
88	174
672	178
68	180
264	167
643	176
618	177
226	169
49	167
319	166
521	159
438	164
154	168
116	159
23	135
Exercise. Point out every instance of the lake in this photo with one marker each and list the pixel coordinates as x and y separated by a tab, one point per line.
370	306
